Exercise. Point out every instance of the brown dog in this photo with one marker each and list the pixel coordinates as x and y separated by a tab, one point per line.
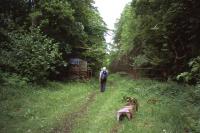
128	110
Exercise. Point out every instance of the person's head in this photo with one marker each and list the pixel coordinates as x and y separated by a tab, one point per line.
104	68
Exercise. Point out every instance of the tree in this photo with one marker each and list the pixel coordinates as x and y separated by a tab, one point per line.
70	24
163	34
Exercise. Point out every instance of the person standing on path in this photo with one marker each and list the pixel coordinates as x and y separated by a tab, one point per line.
103	78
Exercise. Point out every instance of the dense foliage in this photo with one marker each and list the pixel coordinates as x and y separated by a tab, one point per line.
38	37
159	34
32	55
192	76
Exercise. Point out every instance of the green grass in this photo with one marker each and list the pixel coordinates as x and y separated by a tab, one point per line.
170	113
26	108
163	107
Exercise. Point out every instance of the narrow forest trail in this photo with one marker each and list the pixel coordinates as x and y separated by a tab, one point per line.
96	104
70	120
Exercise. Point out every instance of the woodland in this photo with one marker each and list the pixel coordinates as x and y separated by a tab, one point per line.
154	57
162	35
39	36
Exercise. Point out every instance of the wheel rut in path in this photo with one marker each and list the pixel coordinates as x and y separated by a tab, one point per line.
71	118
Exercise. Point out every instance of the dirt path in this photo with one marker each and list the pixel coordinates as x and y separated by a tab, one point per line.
71	118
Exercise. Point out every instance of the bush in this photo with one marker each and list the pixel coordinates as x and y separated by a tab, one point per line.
31	55
193	76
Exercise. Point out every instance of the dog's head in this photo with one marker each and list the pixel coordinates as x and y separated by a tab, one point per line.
126	98
131	101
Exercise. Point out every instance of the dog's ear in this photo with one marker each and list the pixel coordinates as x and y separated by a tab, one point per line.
132	99
129	99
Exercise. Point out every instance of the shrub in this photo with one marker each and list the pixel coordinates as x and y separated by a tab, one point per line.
194	74
31	55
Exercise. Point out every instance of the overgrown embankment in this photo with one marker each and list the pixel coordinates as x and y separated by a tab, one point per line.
81	108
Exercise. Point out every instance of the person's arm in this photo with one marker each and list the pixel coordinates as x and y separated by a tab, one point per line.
100	76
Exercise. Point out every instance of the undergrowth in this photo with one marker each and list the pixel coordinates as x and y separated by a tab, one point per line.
26	107
165	107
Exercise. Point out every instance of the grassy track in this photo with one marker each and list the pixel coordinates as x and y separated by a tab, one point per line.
81	108
156	114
